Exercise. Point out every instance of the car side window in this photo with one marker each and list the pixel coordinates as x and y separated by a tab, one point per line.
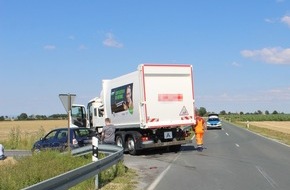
82	132
50	135
62	134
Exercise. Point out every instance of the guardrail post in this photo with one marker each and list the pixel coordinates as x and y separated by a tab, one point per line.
95	158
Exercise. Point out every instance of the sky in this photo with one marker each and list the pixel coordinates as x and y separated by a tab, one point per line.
239	50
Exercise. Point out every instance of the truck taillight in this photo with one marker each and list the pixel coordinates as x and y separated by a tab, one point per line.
74	141
144	139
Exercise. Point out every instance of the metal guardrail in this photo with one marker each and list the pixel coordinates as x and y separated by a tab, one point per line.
76	176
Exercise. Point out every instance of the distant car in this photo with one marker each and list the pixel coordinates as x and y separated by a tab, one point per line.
213	122
57	139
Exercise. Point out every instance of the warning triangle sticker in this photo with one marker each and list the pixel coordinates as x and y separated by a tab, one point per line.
183	111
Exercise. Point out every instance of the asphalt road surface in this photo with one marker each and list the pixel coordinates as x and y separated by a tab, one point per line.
233	159
17	153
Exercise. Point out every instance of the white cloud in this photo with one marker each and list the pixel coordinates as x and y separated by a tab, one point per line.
275	55
286	19
235	64
110	41
270	20
49	47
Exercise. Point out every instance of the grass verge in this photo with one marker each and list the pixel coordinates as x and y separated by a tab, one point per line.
277	135
27	171
108	180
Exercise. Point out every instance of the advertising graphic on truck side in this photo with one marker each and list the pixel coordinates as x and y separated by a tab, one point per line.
122	99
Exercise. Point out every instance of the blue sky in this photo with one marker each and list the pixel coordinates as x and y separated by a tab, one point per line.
239	49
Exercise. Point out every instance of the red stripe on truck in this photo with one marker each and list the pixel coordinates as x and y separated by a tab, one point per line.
170	97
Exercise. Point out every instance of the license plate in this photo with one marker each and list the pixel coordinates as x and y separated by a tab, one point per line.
168	135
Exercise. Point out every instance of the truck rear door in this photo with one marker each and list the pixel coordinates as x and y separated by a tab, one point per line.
168	95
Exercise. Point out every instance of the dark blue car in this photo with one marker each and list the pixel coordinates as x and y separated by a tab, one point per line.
57	139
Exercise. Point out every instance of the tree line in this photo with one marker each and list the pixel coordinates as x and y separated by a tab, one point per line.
203	112
25	116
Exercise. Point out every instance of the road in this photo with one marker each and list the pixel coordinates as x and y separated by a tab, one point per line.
233	159
17	153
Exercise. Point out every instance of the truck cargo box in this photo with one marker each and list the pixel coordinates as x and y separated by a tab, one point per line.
154	96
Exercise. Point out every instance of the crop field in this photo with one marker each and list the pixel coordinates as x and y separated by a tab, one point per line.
279	130
29	127
281	126
22	134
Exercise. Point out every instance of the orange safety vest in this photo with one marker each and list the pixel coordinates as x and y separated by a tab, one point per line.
199	125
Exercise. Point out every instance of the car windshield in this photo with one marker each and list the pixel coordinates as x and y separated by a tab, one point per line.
213	119
50	135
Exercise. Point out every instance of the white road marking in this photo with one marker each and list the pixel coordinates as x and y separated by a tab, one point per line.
192	137
227	134
237	145
159	178
267	177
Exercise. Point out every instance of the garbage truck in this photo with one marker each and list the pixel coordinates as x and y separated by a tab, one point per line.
149	107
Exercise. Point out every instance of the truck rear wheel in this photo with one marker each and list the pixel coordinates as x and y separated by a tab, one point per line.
119	141
131	146
175	148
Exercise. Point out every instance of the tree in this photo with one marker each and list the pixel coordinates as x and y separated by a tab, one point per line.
223	112
241	113
2	118
201	111
275	112
22	116
267	112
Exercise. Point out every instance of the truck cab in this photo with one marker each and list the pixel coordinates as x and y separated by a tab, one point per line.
93	118
96	114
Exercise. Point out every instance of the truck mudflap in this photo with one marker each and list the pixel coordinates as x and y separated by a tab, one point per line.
164	144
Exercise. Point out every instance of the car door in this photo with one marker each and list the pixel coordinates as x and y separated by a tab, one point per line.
82	136
49	140
61	139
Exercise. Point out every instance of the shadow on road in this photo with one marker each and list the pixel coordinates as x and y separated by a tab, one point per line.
160	151
188	148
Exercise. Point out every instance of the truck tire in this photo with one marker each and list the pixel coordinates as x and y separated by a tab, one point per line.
175	148
119	141
131	146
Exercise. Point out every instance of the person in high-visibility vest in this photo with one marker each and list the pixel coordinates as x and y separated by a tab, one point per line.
199	131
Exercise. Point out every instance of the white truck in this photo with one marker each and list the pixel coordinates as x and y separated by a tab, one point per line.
149	107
